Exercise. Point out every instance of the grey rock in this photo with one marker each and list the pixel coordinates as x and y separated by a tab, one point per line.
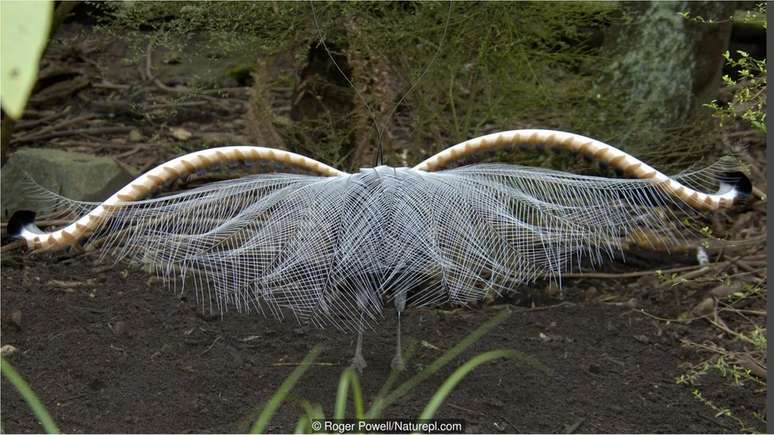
135	135
78	176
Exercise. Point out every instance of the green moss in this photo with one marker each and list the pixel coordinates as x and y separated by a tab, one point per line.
656	67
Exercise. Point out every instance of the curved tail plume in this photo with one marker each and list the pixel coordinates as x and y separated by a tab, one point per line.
24	227
735	188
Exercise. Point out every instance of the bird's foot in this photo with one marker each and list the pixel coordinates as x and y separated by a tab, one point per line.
397	363
358	363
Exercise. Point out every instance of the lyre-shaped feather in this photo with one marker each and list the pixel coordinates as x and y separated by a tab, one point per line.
334	248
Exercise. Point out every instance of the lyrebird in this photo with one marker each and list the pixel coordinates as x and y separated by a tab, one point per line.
333	248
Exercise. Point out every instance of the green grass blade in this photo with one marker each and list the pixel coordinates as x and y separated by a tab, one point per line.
436	365
457	376
302	425
349	377
282	392
29	396
313	411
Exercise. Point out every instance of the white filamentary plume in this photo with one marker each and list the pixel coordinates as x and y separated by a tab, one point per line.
334	249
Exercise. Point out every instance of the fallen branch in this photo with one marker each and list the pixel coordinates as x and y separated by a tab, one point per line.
30	123
64	133
631	274
317	364
751	364
107	85
134	150
16	244
42	132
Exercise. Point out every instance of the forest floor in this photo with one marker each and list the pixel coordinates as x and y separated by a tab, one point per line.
108	352
108	349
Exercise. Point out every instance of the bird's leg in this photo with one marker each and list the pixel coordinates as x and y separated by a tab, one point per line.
358	362
397	361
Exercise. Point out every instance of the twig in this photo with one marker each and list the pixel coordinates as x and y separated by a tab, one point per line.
697	273
176	104
27	124
462	408
720	324
664	319
759	279
65	284
737	261
94	310
715	245
92	143
55	134
38	113
751	364
319	364
214	91
630	274
217	339
134	150
744	311
711	420
12	246
50	128
743	359
243	89
107	85
714	348
544	308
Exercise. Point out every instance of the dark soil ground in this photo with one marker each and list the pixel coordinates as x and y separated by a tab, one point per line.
108	350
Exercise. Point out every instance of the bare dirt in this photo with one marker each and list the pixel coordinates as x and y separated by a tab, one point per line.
109	352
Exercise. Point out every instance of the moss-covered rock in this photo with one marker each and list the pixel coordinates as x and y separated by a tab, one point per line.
77	176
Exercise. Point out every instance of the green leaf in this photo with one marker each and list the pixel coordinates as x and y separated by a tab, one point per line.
276	400
29	396
24	28
452	381
382	402
349	378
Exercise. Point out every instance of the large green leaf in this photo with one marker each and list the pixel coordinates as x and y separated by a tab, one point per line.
24	28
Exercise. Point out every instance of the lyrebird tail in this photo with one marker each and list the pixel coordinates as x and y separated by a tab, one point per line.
333	247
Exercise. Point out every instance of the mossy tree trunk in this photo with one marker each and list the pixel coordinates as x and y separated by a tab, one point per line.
669	59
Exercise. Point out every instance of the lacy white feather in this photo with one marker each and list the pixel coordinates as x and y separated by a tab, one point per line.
333	250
